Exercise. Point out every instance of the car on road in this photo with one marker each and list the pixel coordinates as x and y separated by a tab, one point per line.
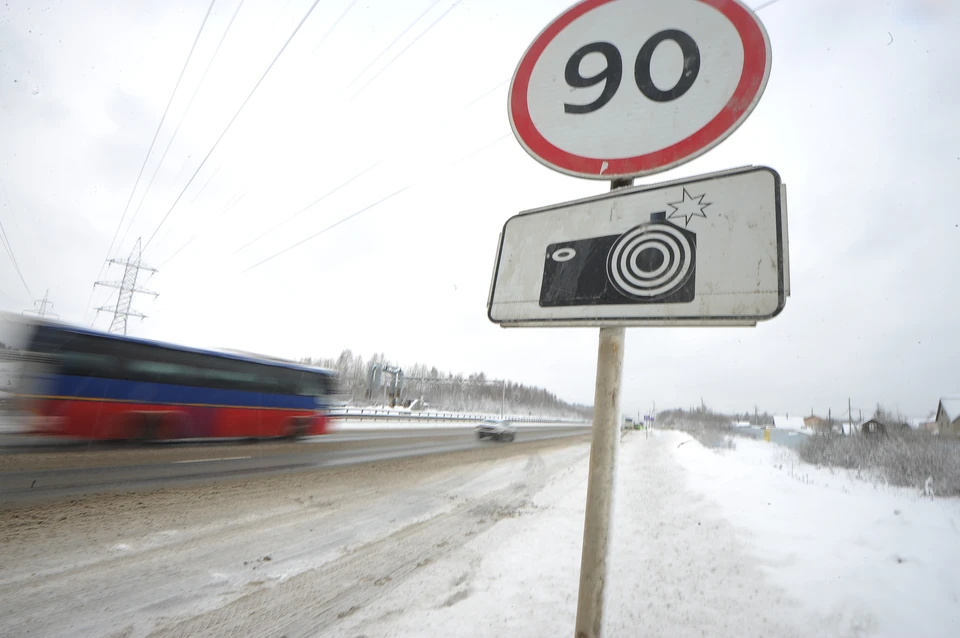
497	429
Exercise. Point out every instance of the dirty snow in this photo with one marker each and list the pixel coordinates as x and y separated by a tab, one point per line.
742	543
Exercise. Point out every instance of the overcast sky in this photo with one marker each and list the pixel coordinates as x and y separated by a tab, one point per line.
859	118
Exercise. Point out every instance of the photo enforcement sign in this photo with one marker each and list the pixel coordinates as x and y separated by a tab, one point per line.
702	251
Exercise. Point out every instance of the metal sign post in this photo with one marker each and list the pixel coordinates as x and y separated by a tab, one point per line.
613	90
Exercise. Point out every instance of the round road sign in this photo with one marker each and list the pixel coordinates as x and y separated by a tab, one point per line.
623	88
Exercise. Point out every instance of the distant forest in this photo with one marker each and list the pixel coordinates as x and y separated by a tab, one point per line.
361	384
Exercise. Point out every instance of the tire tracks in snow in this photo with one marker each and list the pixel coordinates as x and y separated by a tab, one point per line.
312	602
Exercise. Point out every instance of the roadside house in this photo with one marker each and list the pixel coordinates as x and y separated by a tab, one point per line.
785	422
872	427
948	416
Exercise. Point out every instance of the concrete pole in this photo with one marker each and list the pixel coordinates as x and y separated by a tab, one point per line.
600	483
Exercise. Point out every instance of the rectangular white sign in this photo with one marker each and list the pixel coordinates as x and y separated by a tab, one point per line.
710	250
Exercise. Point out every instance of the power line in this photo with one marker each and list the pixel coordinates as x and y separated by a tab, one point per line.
9	248
395	40
477	99
232	120
280	15
233	201
183	116
333	26
205	184
163	118
404	50
370	206
308	206
6	196
470	103
764	5
330	227
5	240
177	251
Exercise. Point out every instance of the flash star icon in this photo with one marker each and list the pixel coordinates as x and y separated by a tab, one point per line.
689	207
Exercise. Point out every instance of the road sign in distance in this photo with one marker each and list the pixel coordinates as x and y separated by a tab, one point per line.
623	88
704	251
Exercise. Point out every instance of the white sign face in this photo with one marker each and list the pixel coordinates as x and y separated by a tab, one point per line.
704	251
623	88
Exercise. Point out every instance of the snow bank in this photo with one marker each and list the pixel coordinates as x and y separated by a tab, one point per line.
864	559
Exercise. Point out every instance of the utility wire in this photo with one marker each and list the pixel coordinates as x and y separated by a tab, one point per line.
6	196
370	206
395	40
205	184
233	201
477	99
163	118
308	206
280	15
232	120
176	252
321	198
404	50
5	240
322	40
333	26
330	227
361	173
183	116
9	248
764	5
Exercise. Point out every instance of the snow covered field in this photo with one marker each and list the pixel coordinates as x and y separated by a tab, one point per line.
744	542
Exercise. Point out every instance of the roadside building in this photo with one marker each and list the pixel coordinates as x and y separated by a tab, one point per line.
948	416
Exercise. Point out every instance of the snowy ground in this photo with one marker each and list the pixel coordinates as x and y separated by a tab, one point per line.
739	543
744	542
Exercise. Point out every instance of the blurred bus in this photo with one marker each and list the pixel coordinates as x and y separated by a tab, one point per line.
81	383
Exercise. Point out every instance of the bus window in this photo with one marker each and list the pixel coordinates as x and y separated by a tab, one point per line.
162	372
85	364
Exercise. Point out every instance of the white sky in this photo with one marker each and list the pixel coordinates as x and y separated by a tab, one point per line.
863	132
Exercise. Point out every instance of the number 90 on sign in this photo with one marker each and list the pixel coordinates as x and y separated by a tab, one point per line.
622	88
613	72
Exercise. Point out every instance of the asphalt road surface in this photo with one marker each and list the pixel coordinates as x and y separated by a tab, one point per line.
29	473
286	555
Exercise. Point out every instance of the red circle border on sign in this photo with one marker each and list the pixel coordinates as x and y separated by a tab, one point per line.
752	79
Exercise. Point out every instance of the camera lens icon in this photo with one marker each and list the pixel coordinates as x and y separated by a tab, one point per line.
652	263
651	260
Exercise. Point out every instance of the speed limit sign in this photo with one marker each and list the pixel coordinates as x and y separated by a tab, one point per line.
616	89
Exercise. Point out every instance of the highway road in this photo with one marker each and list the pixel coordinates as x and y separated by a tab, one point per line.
29	473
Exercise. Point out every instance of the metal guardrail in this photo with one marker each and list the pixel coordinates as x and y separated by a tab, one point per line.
392	415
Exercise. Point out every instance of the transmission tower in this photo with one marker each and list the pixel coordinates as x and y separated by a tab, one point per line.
41	307
126	287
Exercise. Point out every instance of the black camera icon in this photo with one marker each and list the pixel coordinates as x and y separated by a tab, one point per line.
655	262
